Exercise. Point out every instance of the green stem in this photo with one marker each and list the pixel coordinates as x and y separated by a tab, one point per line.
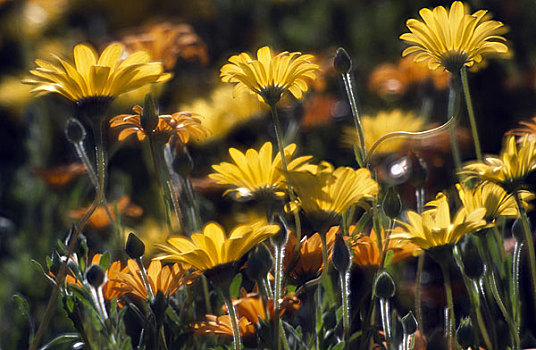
529	243
145	279
206	294
453	95
279	251
237	344
170	198
419	198
345	295
386	321
355	113
516	300
450	319
471	113
194	211
99	197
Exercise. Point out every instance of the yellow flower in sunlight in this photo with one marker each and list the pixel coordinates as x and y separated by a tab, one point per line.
508	169
257	174
212	248
165	279
382	124
454	38
310	261
96	77
493	198
434	227
367	253
270	76
222	112
184	125
325	194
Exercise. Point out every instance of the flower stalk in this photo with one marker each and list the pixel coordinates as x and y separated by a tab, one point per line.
471	112
449	312
237	343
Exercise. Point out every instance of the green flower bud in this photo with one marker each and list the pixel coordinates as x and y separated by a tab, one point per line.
149	115
392	205
95	276
385	286
473	267
134	247
409	323
465	334
342	61
341	255
260	262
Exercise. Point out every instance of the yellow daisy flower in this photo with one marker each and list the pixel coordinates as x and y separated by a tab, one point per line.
325	193
454	38
383	123
257	174
509	169
493	198
211	248
435	228
184	125
270	76
93	77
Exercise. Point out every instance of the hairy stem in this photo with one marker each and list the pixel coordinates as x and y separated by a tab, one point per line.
471	113
450	319
347	78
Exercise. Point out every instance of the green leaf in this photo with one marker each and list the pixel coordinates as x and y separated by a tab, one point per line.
69	303
22	304
339	346
62	339
388	258
235	286
48	261
105	261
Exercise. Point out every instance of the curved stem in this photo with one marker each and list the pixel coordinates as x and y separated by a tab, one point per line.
99	197
347	78
529	242
471	113
145	279
450	319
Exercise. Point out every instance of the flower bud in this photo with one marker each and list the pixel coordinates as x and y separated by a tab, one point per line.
74	131
341	255
280	239
409	323
342	61
465	334
392	205
149	115
385	286
473	267
260	262
134	247
95	275
517	229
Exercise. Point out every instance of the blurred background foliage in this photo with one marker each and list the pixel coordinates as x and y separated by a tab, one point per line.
36	206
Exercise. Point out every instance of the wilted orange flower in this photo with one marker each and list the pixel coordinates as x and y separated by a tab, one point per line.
166	279
184	125
100	220
60	176
166	42
366	252
527	128
309	262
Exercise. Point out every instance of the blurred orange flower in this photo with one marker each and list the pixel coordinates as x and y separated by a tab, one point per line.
99	219
60	176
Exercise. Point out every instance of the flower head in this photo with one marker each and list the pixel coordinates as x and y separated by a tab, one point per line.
257	174
325	193
184	125
166	279
60	176
382	124
211	248
435	228
99	220
270	76
94	77
508	169
493	198
454	38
